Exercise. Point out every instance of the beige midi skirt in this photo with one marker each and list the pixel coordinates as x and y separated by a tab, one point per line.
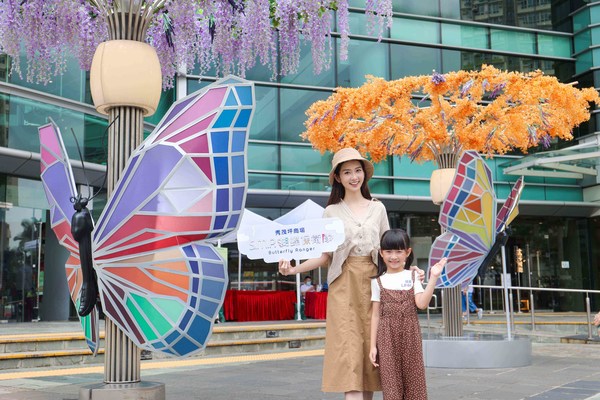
346	365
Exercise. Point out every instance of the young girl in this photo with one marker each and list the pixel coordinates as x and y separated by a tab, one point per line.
396	346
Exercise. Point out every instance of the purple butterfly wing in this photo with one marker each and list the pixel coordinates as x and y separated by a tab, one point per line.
59	185
510	209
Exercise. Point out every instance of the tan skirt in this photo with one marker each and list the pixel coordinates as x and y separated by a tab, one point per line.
346	365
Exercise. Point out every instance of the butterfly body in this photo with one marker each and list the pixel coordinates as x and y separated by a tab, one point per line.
186	183
82	226
472	232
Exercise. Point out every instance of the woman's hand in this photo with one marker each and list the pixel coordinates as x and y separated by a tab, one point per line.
285	268
436	270
597	319
373	356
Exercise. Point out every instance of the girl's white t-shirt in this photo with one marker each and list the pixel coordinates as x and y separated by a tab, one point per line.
398	281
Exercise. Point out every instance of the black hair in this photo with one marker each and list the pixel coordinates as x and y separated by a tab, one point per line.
393	239
337	189
306	277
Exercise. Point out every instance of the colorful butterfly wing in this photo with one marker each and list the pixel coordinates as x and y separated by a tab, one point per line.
186	182
468	216
463	263
59	185
510	209
168	300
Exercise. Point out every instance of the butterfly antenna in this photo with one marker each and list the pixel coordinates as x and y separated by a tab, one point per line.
103	147
81	159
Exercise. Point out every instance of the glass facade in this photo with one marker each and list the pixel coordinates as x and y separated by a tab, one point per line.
557	37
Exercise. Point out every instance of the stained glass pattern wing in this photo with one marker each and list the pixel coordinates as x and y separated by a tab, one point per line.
510	209
463	261
166	301
470	207
59	185
187	181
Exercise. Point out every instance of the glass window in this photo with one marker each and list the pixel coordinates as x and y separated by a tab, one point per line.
415	30
312	183
364	58
294	103
22	214
581	19
304	159
582	40
584	62
25	116
465	36
359	26
264	121
263	157
429	8
305	74
71	84
412	60
520	42
194	84
263	181
554	45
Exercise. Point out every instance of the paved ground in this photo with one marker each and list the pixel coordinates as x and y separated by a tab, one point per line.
558	372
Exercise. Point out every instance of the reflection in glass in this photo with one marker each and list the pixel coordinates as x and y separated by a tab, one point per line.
294	103
413	60
364	58
264	122
304	159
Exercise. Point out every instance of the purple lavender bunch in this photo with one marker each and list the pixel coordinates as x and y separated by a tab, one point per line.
437	78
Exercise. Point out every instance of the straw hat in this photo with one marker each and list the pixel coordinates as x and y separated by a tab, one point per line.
349	154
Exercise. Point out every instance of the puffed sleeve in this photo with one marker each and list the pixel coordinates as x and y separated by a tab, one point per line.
375	295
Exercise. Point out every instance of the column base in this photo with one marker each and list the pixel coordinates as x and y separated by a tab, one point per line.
123	391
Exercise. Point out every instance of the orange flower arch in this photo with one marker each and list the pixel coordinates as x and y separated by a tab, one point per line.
490	111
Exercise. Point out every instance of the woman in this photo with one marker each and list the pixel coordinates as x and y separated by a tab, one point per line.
346	366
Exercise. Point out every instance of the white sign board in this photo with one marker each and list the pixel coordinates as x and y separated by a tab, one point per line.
307	239
564	264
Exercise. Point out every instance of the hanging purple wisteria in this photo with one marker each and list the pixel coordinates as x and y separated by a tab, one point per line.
227	35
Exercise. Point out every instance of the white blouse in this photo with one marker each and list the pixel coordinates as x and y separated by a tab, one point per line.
398	281
362	235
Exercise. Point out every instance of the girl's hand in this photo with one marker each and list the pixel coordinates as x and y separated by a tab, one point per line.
285	267
373	356
597	319
436	270
420	272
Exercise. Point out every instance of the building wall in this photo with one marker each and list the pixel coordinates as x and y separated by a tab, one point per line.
447	35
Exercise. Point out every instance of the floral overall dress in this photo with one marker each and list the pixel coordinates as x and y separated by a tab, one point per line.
399	346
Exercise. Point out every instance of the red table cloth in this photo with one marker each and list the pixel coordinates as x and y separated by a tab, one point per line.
255	305
315	305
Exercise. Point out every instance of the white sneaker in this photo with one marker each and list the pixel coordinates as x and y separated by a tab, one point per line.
479	313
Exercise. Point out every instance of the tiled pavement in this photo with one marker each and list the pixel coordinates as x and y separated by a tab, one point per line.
558	372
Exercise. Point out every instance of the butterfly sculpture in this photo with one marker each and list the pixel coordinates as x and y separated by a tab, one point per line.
473	232
159	280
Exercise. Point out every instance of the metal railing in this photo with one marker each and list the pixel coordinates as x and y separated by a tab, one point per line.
531	290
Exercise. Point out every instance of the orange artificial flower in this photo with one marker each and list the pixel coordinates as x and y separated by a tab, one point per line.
425	116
